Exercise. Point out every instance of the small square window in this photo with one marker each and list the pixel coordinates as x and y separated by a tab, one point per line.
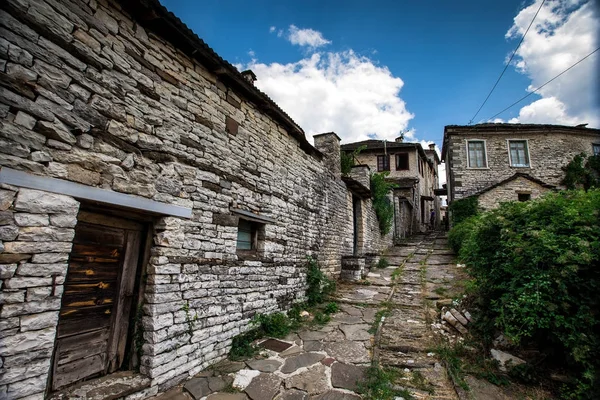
402	161
246	237
250	241
476	154
596	149
519	154
383	163
524	196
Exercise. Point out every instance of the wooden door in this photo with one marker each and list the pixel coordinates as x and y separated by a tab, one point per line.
97	298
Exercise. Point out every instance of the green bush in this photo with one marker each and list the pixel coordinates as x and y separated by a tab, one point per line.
275	325
348	160
242	347
319	285
582	170
460	233
537	271
462	209
381	203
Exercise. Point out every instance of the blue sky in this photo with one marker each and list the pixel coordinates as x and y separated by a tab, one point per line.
446	54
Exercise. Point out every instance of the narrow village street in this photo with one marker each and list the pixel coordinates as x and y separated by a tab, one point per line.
326	362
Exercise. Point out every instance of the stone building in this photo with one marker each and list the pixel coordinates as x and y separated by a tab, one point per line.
152	200
414	171
511	162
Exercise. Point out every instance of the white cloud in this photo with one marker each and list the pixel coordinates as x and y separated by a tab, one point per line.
272	29
251	53
564	32
341	92
548	109
306	37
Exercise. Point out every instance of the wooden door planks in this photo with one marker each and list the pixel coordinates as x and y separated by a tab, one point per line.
97	298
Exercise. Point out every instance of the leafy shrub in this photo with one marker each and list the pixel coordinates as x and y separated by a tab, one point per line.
276	324
348	160
583	171
382	263
460	233
242	347
381	203
537	269
319	285
462	209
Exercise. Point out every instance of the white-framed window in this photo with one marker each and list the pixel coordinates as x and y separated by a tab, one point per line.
476	154
518	151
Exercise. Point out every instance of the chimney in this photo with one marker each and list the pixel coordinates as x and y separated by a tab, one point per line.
431	146
249	76
329	145
400	138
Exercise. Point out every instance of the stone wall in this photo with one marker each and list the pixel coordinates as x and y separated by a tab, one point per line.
427	180
90	96
550	149
510	191
36	231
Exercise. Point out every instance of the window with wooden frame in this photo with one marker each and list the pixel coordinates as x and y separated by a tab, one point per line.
402	162
383	163
518	153
476	155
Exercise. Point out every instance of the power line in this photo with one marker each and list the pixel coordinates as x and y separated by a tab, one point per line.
535	90
508	63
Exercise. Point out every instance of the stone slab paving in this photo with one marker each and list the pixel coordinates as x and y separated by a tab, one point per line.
406	336
327	362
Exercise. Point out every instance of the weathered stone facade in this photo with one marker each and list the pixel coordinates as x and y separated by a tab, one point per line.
509	190
118	96
549	147
415	198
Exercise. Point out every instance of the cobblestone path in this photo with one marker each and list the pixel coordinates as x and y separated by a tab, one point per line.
326	362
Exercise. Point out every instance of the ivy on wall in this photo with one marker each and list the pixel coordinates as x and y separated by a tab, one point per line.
384	209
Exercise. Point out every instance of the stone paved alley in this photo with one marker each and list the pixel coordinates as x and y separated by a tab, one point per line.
325	362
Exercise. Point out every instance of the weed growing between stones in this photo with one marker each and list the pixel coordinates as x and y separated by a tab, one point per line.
384	312
452	358
397	273
321	318
462	360
382	263
189	320
331	308
230	388
418	381
379	384
242	346
279	324
319	285
276	325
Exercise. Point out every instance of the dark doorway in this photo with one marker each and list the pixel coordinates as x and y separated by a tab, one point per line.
99	291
